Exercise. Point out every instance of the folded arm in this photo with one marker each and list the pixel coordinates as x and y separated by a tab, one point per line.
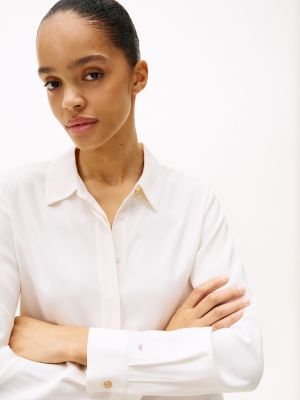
186	361
20	377
192	360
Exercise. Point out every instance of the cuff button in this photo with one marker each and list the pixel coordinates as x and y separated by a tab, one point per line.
107	384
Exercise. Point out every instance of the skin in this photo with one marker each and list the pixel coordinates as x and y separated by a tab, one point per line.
108	97
106	91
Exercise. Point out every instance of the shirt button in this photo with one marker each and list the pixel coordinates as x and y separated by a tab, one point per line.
137	190
118	259
107	384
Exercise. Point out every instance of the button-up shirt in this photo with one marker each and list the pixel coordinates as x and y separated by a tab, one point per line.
59	252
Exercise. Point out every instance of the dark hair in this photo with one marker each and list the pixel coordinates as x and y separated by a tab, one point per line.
109	16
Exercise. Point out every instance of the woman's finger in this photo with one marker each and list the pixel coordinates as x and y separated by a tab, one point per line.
201	291
220	312
228	321
216	298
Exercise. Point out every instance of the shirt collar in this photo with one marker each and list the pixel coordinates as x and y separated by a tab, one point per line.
62	178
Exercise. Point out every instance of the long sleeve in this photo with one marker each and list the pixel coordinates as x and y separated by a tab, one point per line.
22	379
189	361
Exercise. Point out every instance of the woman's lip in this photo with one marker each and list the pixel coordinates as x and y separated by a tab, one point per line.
81	128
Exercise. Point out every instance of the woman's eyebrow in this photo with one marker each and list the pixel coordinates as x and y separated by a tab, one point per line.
76	63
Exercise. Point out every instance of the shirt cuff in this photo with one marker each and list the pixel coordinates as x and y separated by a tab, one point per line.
150	362
107	361
171	363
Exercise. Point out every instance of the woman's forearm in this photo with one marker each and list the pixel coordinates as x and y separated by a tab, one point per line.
44	342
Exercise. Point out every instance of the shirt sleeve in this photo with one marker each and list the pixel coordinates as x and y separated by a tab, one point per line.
21	378
188	361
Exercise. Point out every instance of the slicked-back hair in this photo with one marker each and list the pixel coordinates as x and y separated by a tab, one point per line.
110	17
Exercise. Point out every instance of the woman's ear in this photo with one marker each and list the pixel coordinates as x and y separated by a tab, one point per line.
140	77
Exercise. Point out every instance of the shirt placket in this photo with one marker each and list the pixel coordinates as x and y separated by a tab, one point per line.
109	258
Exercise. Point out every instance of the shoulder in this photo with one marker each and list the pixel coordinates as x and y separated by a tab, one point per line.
193	196
186	185
27	176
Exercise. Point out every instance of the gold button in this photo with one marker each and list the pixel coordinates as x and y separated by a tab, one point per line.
107	384
137	190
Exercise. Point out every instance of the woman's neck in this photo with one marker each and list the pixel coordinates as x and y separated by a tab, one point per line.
112	164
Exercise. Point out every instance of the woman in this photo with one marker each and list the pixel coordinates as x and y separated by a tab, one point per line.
130	283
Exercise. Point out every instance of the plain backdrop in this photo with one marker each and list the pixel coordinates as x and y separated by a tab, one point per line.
222	103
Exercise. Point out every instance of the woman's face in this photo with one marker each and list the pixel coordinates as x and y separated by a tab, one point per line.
85	76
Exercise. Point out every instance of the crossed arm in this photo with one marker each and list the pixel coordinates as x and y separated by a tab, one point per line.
207	305
46	360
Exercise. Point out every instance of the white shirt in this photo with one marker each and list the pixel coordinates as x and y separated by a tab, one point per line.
58	250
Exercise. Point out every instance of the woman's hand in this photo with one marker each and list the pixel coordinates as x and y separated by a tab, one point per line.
206	306
45	342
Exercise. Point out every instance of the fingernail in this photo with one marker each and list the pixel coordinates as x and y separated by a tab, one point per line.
241	288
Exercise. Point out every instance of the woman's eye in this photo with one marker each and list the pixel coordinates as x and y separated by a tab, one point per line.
92	76
51	85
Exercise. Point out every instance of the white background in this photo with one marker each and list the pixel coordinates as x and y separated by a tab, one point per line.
222	103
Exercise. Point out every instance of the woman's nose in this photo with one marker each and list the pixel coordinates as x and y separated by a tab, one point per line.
72	100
